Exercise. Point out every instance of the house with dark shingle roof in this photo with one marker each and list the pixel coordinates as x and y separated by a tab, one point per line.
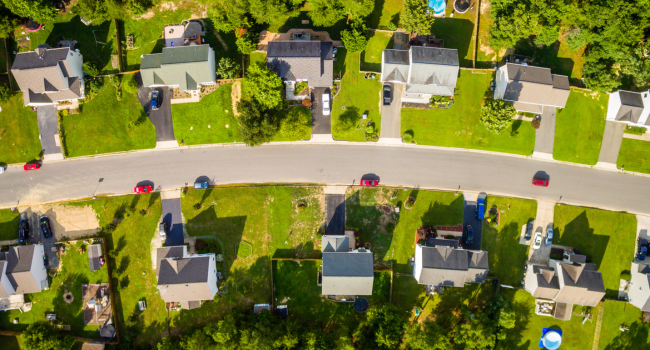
22	270
629	107
47	76
531	88
185	279
186	68
302	61
424	71
571	281
442	263
346	273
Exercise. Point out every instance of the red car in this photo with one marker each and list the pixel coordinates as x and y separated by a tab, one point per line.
31	166
142	189
540	182
368	182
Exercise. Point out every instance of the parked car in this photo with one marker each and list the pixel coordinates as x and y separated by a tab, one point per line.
163	228
643	249
369	182
143	189
529	231
44	223
2	169
154	100
540	182
31	166
23	232
388	93
469	234
549	236
201	185
326	104
46	261
480	208
537	242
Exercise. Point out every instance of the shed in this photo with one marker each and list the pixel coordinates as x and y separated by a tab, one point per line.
95	259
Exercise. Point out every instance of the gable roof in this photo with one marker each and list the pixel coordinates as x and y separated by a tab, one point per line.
425	70
302	60
19	265
335	244
631	107
185	66
442	265
169	252
536	85
349	273
185	279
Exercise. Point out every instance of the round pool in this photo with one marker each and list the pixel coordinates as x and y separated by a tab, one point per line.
438	6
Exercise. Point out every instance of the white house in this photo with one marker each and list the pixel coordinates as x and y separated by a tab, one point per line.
629	107
22	271
531	88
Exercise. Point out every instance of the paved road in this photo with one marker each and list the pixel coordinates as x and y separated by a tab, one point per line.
321	124
162	117
612	140
391	115
327	164
171	213
48	127
545	135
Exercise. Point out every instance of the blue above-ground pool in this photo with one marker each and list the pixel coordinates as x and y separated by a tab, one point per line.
438	6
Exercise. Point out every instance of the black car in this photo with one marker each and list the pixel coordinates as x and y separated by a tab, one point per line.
388	92
469	234
46	262
23	232
44	222
529	231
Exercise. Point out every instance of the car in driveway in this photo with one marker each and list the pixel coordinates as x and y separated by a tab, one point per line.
31	166
163	229
643	249
23	232
369	182
326	104
44	223
143	189
469	234
537	241
155	100
549	236
388	94
529	231
540	182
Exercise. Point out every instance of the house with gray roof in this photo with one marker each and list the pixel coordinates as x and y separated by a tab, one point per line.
47	76
185	279
424	72
442	263
567	282
22	270
629	107
531	88
639	291
302	61
186	68
346	273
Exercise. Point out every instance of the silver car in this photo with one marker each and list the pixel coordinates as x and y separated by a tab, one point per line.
549	236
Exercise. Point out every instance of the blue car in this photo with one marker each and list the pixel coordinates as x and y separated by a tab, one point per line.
201	185
480	208
154	100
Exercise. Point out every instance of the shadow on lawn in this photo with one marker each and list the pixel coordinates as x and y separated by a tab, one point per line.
547	56
457	33
638	334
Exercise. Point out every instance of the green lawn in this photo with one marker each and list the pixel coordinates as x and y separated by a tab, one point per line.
459	126
619	313
371	57
73	273
392	236
347	107
191	120
107	125
386	11
19	142
579	128
607	237
457	32
528	325
10	343
505	255
8	224
486	57
634	156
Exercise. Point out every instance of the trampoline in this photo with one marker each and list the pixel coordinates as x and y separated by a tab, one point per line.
461	6
361	305
438	6
32	26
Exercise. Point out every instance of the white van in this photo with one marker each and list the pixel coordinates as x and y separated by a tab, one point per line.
326	104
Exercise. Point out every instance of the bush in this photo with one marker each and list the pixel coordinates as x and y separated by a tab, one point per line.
227	69
5	93
197	206
496	115
355	39
296	124
535	123
631	129
392	26
407	138
625	275
129	84
90	69
306	103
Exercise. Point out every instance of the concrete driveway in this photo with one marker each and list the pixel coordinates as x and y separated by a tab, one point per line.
612	139
162	117
391	115
171	213
543	221
320	124
469	218
48	127
545	135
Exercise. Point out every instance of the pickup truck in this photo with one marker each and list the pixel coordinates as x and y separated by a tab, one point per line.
480	208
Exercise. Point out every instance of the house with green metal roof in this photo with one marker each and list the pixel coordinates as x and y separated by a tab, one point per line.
185	67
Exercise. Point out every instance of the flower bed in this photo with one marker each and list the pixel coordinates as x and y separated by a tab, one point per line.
410	202
493	217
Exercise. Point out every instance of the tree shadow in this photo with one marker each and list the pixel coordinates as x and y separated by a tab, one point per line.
349	119
637	334
515	128
339	63
547	56
375	17
457	33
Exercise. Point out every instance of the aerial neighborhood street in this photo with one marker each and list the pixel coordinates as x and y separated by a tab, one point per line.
395	174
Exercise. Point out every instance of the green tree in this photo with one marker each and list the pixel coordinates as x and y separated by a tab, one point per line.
269	11
168	344
229	15
475	334
599	74
43	336
358	9
5	93
227	69
95	11
90	69
40	10
511	25
382	328
197	340
247	43
263	85
496	115
355	39
129	84
296	124
577	38
325	13
547	35
637	64
415	17
8	21
427	336
256	126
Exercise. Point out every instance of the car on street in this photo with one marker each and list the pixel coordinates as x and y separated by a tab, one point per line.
154	100
44	223
549	236
388	93
369	182
529	231
326	104
469	234
201	185
23	232
537	242
143	189
540	182
31	166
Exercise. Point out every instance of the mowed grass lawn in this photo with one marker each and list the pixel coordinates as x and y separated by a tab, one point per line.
8	224
607	236
619	313
74	272
457	32
19	142
371	56
459	126
107	125
506	256
392	236
580	126
210	120
634	156
486	57
385	12
356	97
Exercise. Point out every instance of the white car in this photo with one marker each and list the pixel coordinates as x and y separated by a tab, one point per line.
537	241
326	104
2	169
549	236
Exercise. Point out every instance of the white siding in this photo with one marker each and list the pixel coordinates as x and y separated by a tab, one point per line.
5	281
38	269
639	292
212	276
613	106
417	269
646	108
212	64
501	83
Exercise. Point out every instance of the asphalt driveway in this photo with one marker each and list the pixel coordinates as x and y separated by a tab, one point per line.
48	127
162	117
469	218
334	214
171	212
391	115
320	124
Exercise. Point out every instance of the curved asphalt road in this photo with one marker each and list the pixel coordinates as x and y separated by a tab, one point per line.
326	164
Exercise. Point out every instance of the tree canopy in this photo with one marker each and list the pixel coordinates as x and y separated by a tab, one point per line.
263	85
355	39
415	17
257	125
43	336
496	115
40	10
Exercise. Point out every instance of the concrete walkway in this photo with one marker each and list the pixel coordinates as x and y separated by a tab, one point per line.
644	137
391	115
612	139
545	135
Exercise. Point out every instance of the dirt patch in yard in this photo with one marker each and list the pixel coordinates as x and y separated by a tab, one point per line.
235	95
67	221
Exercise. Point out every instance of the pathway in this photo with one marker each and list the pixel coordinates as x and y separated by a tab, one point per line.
612	139
545	135
599	323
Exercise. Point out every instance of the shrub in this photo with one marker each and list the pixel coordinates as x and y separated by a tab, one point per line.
197	206
407	138
535	123
90	69
129	84
625	275
370	129
306	103
355	39
5	93
296	124
392	26
631	129
496	115
227	69
246	43
426	232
